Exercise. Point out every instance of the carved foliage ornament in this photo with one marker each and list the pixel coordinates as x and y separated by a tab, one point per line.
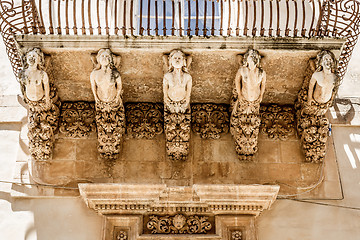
77	119
236	235
178	224
110	113
210	120
177	84
278	122
121	235
245	104
144	120
43	103
315	97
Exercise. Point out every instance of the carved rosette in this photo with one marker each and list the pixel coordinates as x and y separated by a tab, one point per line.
77	119
178	224
312	125
177	133
277	122
144	120
43	125
121	235
110	123
236	235
244	126
210	120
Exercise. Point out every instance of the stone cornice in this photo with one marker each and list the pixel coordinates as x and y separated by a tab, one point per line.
160	199
170	42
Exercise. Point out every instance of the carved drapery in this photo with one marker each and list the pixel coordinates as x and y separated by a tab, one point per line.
178	224
77	119
277	122
312	125
144	120
210	120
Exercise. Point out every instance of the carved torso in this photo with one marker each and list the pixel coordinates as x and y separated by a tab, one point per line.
177	83
250	82
324	86
106	84
34	87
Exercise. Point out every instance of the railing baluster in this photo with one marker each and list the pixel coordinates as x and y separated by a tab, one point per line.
254	22
189	18
321	10
74	16
98	16
141	18
311	30
336	19
89	16
303	30
51	28
180	29
42	27
229	22
164	17
296	16
25	28
197	18
116	17
221	17
271	18
156	19
83	17
278	32
262	30
246	17
106	17
205	12
132	18
67	29
124	19
34	17
173	18
287	30
238	18
59	17
213	18
148	18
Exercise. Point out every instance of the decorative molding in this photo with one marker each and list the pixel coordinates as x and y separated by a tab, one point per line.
236	235
77	119
178	224
210	120
314	99
245	104
177	84
144	120
277	122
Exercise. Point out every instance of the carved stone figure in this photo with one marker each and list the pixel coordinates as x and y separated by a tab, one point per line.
248	93
314	99
110	114
43	104
177	85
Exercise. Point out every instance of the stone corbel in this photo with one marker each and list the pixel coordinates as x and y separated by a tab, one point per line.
245	104
177	84
153	212
314	99
110	113
43	103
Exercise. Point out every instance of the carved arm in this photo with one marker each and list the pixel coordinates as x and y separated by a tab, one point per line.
93	87
311	90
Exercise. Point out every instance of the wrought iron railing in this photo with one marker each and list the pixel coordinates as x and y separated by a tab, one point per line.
267	18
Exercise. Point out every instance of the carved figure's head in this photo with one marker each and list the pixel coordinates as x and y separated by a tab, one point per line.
177	59
251	59
34	57
105	58
326	60
179	221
